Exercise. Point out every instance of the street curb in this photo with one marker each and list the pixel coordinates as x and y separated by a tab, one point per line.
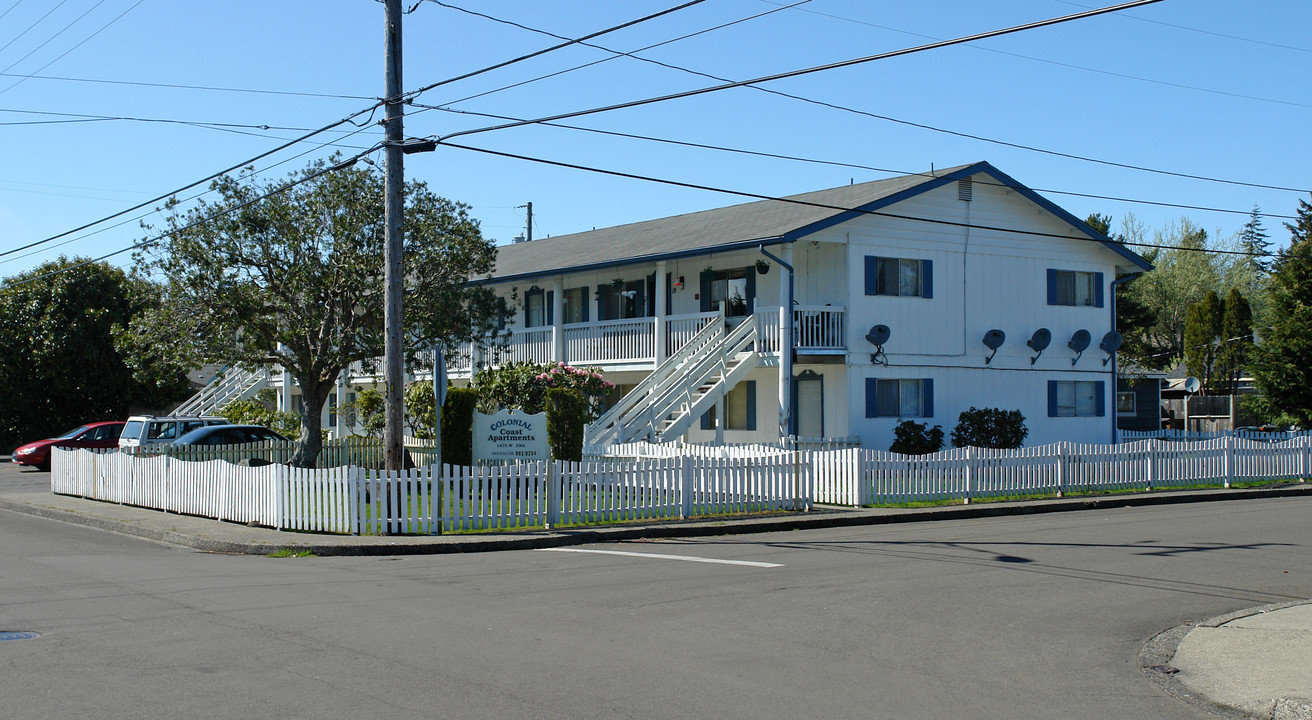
1156	656
820	518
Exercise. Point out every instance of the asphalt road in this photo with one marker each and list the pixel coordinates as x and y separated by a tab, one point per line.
1015	617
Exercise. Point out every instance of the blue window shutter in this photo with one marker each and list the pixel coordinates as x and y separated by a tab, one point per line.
1100	393
927	398
1052	398
549	301
927	278
872	395
585	303
706	290
1097	292
706	420
751	404
1052	286
871	276
601	303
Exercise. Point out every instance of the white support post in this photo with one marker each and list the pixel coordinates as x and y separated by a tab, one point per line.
1061	467
1228	442
786	343
685	486
1151	457
558	320
970	472
553	494
660	343
1305	446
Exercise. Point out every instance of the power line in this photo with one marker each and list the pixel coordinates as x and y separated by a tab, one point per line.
808	71
176	86
834	163
80	44
553	48
844	108
369	109
1204	32
1058	63
188	186
826	206
614	53
227	211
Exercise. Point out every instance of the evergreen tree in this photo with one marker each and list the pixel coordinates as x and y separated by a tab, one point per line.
1133	317
1236	342
1202	329
1253	239
1280	365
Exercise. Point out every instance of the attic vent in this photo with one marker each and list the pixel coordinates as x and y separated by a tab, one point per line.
964	189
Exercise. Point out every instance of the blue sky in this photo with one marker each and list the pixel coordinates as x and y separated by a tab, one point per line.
1190	87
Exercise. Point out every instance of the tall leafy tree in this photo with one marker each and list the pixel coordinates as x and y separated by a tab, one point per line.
1236	341
1185	271
1134	319
290	274
60	365
1202	330
1280	362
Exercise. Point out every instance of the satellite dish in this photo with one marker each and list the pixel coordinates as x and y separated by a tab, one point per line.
877	336
1191	385
1110	343
1079	342
1039	342
993	340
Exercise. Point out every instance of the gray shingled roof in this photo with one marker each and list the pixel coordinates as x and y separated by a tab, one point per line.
706	231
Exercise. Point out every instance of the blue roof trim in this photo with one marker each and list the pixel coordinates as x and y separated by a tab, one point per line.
694	252
984	167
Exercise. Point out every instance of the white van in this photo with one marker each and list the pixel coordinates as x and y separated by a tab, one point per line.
147	430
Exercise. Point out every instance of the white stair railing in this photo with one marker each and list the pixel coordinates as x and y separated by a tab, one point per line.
230	385
683	387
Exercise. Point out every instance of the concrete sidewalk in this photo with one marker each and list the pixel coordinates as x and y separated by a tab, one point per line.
1252	663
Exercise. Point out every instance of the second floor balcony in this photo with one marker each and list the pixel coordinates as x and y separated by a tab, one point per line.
642	343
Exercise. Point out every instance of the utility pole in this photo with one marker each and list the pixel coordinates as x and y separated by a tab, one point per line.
528	230
393	273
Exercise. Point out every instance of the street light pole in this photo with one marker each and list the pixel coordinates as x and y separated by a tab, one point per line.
393	272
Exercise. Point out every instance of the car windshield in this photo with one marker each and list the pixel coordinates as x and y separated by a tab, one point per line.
72	433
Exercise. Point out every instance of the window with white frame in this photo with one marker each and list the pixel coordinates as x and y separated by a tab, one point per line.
739	408
899	277
1125	403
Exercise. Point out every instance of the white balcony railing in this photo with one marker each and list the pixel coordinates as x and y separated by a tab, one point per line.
633	341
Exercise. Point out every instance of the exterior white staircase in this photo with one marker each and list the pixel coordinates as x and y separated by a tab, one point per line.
228	386
681	389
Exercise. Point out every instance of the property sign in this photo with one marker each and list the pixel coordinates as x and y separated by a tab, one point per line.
510	436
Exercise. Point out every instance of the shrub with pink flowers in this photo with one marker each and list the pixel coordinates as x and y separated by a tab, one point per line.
525	385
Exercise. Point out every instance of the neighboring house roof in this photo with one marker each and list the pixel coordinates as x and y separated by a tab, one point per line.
748	225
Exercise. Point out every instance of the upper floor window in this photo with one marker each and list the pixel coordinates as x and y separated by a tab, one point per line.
899	277
623	299
899	398
1074	287
576	305
536	309
1075	398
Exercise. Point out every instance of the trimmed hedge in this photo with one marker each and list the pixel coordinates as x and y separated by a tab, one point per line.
458	426
567	412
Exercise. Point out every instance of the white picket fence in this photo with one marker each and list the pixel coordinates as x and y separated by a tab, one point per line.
699	481
353	500
868	477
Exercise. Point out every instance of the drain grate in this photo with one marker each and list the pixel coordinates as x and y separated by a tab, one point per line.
16	635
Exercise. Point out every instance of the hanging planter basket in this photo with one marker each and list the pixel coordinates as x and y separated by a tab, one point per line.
762	267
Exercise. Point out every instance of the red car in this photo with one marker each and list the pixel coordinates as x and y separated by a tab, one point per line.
94	435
